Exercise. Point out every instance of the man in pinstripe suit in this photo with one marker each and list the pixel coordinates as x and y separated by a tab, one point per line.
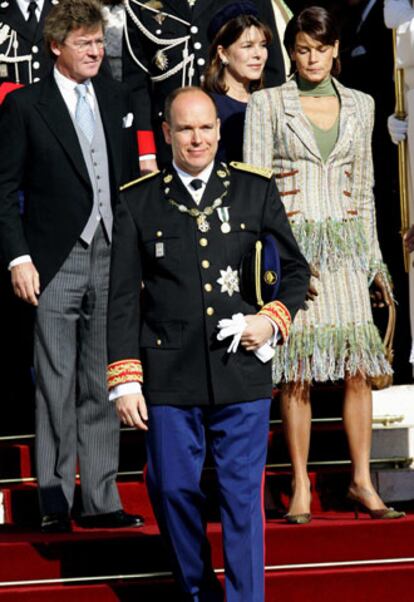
65	150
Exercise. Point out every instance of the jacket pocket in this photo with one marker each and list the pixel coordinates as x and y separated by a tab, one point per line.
162	335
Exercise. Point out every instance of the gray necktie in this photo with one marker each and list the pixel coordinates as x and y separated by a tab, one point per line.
83	114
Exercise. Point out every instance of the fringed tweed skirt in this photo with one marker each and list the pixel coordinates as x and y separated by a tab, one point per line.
336	335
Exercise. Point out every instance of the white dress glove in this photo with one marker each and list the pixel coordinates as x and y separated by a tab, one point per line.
234	327
397	128
397	12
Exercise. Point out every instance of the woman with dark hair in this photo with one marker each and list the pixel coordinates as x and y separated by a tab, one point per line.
316	135
237	57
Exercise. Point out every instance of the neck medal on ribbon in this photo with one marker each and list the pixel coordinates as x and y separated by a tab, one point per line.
201	215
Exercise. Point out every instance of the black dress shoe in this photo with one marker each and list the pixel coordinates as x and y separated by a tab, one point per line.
57	522
112	520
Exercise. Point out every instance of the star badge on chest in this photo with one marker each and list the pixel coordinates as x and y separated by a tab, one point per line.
229	281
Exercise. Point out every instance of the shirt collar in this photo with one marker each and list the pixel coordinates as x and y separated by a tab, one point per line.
186	178
24	5
68	85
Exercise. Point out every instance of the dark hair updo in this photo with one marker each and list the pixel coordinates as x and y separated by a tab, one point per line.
317	23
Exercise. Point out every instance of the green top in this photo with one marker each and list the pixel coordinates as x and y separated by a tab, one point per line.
325	139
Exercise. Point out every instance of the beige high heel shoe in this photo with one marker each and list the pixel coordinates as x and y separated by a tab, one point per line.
300	519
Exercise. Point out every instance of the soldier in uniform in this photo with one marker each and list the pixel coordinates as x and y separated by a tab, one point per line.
23	58
182	233
166	47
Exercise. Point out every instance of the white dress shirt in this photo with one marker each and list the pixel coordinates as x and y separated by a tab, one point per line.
187	178
24	6
67	88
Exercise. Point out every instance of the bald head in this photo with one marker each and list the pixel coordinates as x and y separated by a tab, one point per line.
179	92
192	128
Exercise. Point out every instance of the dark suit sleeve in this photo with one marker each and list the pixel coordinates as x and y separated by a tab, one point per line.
294	267
138	80
275	68
130	170
13	152
124	301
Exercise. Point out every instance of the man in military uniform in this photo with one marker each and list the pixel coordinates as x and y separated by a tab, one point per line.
23	57
166	47
182	233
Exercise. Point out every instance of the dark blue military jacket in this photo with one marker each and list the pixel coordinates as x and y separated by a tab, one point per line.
172	282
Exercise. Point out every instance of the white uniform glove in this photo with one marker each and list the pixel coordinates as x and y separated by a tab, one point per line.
234	327
397	128
231	328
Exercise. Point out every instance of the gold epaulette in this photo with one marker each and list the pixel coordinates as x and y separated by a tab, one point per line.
265	172
141	179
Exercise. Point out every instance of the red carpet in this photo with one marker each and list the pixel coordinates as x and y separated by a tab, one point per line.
331	537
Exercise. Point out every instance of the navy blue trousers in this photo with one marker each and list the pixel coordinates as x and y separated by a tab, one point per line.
237	436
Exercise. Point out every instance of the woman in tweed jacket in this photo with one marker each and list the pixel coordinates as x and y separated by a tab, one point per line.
316	135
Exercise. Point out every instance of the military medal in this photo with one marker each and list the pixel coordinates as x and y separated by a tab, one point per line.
161	60
202	223
224	216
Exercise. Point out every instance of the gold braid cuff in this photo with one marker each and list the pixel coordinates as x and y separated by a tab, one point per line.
279	313
124	371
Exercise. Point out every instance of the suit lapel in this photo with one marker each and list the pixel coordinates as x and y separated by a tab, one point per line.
17	22
178	192
214	189
347	122
45	11
296	119
111	112
298	123
53	110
